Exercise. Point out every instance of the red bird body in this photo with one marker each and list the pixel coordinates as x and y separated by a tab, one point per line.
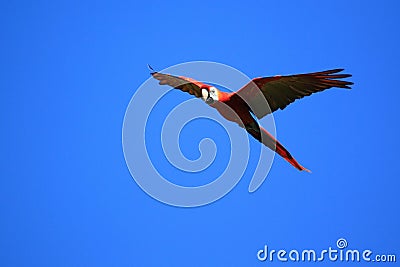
260	97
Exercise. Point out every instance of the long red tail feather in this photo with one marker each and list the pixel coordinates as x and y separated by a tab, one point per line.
272	143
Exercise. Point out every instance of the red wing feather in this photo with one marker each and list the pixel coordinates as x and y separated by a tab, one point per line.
280	91
185	84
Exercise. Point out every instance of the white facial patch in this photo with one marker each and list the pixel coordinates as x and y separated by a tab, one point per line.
213	93
209	96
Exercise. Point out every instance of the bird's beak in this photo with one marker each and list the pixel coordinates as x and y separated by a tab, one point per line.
205	94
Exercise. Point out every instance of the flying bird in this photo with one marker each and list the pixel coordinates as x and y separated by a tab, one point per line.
260	97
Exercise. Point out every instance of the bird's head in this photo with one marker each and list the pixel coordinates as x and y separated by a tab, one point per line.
209	94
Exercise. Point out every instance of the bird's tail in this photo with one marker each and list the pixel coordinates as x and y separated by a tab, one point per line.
270	141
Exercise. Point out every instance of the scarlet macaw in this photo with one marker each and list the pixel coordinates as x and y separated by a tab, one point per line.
278	91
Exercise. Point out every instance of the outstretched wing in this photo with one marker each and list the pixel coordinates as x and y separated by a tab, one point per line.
185	84
280	91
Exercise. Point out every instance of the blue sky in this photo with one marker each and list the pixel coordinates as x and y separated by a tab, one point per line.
69	70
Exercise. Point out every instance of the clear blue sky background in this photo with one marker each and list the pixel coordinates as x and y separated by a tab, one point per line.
68	70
